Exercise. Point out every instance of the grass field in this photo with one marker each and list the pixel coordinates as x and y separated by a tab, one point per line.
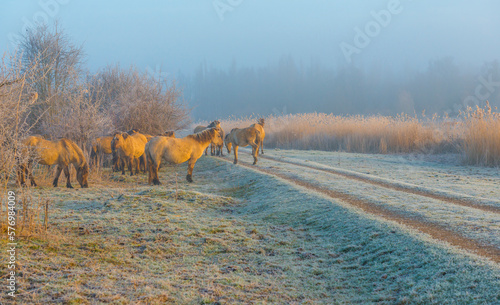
238	236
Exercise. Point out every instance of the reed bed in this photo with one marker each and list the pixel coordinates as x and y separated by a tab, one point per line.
475	135
481	137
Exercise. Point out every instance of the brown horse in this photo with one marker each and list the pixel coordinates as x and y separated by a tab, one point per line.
214	124
100	147
260	127
244	137
168	134
63	153
175	150
129	148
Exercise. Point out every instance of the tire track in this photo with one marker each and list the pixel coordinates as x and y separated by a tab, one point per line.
462	202
436	231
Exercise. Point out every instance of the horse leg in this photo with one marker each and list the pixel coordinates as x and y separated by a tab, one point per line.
206	151
144	162
137	165
261	146
156	180
150	171
66	173
131	166
191	164
255	153
122	165
29	173
21	174
58	173
235	154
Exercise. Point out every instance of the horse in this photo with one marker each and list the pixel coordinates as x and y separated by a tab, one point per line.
176	151
260	126
168	134
100	147
62	152
129	148
213	148
244	137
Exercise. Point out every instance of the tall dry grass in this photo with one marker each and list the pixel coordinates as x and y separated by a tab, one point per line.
363	134
481	138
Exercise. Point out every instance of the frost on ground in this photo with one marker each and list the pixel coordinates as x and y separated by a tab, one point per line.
235	236
443	172
470	222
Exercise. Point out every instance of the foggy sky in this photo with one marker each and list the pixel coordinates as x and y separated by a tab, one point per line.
180	35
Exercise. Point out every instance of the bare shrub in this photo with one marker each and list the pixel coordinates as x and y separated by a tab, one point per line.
80	117
17	99
135	100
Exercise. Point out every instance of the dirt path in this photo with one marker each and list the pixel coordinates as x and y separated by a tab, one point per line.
436	231
470	203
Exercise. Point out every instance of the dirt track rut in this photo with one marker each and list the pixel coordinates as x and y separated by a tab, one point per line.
436	231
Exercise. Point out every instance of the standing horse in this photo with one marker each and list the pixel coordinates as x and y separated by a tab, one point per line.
175	150
260	127
63	153
244	137
129	148
100	147
213	147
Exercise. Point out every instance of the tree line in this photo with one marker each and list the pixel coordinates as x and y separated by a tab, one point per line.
443	87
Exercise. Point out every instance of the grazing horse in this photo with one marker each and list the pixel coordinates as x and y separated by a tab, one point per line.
244	137
260	126
129	148
63	153
175	150
214	124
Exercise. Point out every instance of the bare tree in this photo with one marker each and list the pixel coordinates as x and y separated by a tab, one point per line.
17	99
58	70
135	100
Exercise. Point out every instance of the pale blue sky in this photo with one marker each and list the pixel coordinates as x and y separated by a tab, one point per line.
179	35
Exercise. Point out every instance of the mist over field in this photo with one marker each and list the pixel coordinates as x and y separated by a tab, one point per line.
243	57
241	152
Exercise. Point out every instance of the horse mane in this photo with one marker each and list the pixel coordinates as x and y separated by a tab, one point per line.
68	144
214	124
204	136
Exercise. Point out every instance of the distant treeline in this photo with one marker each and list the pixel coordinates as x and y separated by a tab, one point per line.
443	87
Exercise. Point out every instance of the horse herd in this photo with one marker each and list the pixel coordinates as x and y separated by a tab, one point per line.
140	151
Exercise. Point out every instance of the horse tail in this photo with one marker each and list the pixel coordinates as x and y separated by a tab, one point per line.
258	137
